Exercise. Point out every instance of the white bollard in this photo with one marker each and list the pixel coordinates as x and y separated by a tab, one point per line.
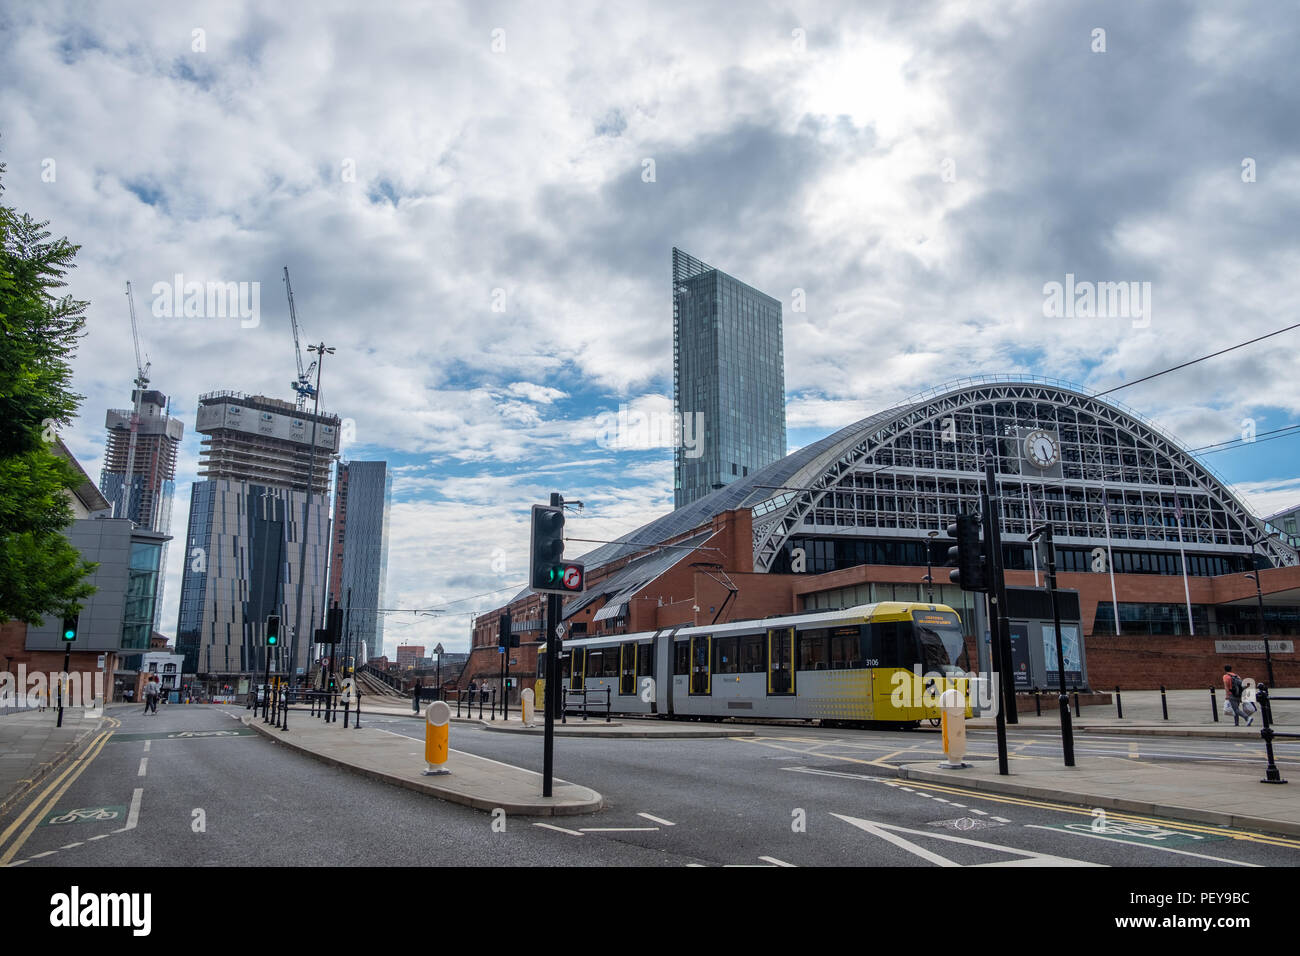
952	703
526	701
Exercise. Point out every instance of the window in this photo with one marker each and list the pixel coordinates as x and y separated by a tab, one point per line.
645	660
813	652
845	648
726	655
681	658
753	654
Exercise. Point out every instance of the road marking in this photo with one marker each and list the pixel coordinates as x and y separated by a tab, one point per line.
144	763
39	855
551	826
1133	750
146	745
102	836
774	861
1002	819
1153	846
1031	857
59	787
133	815
619	829
960	806
660	820
71	845
982	813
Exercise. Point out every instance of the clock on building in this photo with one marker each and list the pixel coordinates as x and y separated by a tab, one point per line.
1042	450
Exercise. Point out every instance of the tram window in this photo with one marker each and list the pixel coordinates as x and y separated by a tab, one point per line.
595	663
566	661
681	658
727	655
844	650
813	653
887	634
645	660
753	654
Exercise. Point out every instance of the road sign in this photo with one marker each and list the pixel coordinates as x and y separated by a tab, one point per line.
559	630
100	662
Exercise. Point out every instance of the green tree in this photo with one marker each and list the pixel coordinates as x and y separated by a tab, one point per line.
40	571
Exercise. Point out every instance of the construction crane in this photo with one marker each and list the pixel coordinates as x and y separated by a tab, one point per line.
302	385
141	383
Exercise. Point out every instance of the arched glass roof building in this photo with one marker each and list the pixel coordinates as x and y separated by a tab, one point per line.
872	492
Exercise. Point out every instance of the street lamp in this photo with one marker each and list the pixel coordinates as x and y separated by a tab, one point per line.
1259	596
929	564
1067	728
438	653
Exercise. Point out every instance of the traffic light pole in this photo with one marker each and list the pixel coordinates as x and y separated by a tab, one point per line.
552	679
995	622
67	662
998	588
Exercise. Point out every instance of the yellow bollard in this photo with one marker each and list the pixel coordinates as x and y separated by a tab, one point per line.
437	722
526	701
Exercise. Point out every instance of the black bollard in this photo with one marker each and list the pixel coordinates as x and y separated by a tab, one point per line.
1119	704
1164	704
481	695
284	712
1214	705
347	708
494	703
459	695
356	721
1272	774
1038	704
1077	711
608	703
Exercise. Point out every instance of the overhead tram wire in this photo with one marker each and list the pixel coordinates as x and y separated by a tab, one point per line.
1175	368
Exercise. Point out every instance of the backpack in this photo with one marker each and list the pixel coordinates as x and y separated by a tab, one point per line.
1236	685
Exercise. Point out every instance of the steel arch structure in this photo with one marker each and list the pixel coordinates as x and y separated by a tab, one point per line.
907	471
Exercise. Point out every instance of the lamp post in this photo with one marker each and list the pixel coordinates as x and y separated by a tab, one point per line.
929	564
438	653
1067	727
298	629
1259	596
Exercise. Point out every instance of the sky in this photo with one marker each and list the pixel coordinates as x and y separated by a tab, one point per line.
477	204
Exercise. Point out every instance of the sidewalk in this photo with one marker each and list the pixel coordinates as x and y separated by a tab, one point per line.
1220	797
576	726
1190	715
31	747
393	758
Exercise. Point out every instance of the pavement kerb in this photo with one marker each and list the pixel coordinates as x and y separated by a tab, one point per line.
1148	730
428	786
1010	788
74	747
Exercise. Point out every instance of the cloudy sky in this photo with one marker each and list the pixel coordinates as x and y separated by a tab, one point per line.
477	204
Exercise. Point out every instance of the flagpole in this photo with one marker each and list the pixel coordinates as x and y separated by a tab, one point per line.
1187	591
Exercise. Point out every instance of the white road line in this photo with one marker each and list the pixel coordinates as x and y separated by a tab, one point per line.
667	823
960	806
133	815
71	845
1001	819
774	861
1030	857
102	836
1164	849
46	853
982	813
551	826
144	763
146	745
939	800
619	829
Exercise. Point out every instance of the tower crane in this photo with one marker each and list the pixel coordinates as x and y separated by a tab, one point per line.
302	385
141	383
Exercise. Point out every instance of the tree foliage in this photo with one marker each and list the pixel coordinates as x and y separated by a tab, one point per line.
40	571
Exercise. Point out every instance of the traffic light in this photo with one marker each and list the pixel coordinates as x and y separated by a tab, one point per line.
506	638
70	627
272	630
334	624
967	556
545	562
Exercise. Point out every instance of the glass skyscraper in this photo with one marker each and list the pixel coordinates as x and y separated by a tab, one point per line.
728	379
362	499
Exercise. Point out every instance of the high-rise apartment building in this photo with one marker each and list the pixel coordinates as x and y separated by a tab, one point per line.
147	498
244	544
359	545
728	378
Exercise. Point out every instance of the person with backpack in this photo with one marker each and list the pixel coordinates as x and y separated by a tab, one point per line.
1234	687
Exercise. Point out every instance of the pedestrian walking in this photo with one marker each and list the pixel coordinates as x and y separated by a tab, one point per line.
1233	688
151	696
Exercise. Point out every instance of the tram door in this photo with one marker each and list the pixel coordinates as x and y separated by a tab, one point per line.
627	669
780	661
701	655
578	668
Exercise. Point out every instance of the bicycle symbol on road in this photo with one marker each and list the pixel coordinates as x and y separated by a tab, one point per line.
81	815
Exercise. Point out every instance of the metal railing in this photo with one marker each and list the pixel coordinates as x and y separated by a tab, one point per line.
1272	774
587	697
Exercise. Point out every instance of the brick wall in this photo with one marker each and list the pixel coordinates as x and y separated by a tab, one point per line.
1147	661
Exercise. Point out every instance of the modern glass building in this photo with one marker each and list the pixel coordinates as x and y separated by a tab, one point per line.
728	379
363	498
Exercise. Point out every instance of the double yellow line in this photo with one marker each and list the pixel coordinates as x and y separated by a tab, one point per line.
55	791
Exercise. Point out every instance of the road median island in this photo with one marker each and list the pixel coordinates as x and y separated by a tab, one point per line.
1211	795
474	781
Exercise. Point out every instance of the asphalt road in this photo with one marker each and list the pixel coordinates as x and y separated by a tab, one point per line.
192	787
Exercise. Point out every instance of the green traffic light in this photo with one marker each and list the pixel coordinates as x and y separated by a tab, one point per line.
69	635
